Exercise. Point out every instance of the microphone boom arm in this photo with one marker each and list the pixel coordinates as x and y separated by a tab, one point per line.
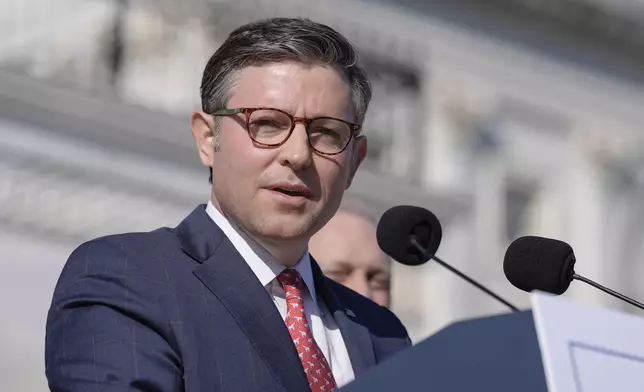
421	249
609	291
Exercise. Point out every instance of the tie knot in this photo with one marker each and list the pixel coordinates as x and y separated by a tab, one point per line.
290	278
292	284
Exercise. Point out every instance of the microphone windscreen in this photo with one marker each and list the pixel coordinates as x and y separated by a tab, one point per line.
400	224
537	263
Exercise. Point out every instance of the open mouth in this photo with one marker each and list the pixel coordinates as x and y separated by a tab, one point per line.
290	192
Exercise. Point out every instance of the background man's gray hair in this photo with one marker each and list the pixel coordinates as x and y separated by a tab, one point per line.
357	206
277	40
354	205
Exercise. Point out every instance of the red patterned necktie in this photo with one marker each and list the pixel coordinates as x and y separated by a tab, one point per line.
317	369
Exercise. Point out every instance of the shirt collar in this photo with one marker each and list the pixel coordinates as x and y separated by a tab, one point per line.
260	261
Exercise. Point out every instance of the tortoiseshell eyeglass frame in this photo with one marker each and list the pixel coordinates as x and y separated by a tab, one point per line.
247	112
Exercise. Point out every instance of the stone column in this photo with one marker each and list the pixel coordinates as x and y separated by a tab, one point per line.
488	177
439	166
623	232
402	119
587	209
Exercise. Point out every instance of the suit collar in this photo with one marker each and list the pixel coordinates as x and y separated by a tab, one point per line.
199	236
225	273
263	264
232	281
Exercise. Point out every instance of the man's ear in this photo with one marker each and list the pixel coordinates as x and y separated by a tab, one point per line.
358	154
202	126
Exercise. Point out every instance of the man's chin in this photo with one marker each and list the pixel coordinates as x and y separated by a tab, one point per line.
288	228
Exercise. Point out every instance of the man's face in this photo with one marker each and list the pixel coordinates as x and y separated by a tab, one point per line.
348	252
245	175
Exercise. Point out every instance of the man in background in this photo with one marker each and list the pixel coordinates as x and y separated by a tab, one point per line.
347	251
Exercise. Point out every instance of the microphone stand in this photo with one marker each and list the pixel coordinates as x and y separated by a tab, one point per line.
420	248
609	291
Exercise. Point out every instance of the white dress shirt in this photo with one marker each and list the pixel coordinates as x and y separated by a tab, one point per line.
323	327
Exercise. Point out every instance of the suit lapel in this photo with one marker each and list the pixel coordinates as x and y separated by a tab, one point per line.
356	336
225	273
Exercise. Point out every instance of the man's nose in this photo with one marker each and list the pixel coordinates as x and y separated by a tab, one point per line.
296	151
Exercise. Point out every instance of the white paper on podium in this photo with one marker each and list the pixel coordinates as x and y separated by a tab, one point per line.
586	349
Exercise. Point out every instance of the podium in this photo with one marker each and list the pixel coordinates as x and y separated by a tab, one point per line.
558	346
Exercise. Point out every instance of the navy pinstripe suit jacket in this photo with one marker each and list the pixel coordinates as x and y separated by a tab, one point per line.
179	310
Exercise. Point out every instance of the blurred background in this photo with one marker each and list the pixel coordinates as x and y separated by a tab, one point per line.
504	117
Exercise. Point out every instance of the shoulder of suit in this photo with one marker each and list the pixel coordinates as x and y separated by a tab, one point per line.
127	272
138	241
141	246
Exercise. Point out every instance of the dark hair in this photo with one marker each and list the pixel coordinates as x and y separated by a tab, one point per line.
276	40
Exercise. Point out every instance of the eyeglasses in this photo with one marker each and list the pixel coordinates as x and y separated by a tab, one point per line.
272	127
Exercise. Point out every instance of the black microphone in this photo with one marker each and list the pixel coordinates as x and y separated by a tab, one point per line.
411	235
537	263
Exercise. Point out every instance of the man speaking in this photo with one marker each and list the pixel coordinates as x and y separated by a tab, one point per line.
230	299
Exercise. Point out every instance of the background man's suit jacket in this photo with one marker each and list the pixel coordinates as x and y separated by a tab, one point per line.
179	309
